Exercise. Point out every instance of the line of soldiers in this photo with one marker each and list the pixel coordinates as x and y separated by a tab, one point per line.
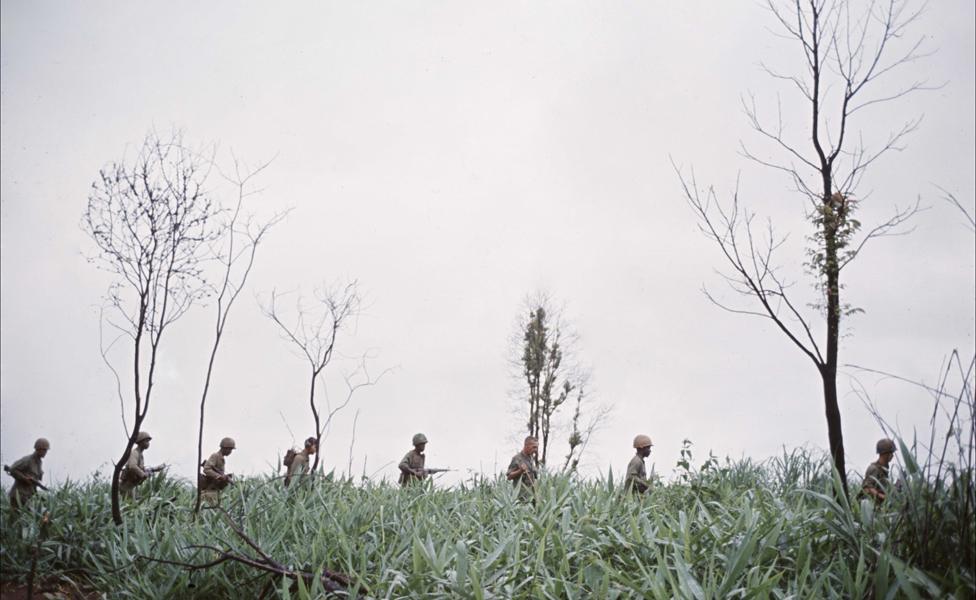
522	470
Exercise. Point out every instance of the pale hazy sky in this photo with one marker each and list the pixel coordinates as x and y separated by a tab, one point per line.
454	157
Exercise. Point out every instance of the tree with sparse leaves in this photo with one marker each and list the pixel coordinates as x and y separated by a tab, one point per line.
848	51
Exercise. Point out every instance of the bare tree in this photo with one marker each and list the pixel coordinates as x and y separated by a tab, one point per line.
846	54
547	375
235	251
314	333
151	219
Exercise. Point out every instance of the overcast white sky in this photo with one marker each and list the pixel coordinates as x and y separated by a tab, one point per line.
454	157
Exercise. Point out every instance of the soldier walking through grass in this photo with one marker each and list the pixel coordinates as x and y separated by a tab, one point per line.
522	471
213	479
28	473
298	467
636	481
136	472
876	477
412	465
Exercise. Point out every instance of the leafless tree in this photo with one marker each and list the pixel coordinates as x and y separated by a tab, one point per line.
235	251
848	54
547	375
315	333
152	222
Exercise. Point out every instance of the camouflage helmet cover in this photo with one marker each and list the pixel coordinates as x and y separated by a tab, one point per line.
419	439
642	441
143	436
42	443
228	443
885	446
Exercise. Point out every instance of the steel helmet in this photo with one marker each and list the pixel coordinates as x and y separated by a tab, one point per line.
642	441
42	444
228	443
884	446
143	436
419	439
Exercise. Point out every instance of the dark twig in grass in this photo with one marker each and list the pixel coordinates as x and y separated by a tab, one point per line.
331	581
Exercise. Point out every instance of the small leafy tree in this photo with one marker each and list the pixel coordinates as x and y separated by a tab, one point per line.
548	377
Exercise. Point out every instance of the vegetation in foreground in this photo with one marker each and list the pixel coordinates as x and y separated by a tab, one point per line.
738	530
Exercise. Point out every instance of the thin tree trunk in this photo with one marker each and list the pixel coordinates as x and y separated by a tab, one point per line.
318	430
835	435
203	403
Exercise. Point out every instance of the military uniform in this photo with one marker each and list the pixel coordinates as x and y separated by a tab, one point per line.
134	472
636	480
414	461
210	482
22	491
299	467
875	478
525	482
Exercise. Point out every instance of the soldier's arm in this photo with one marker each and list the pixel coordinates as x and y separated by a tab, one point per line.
133	466
19	472
514	470
405	466
210	470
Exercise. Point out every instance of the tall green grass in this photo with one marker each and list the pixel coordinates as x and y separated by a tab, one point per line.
733	530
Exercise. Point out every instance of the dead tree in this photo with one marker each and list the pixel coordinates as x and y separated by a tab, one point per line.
235	251
314	334
845	54
152	222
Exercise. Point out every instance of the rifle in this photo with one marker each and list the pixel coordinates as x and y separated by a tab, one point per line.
25	478
433	471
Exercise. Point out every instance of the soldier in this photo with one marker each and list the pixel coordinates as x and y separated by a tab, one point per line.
412	465
876	477
299	464
213	479
135	471
27	474
637	481
521	471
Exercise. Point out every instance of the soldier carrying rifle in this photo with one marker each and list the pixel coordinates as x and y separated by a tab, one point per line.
213	479
522	471
412	466
136	472
27	474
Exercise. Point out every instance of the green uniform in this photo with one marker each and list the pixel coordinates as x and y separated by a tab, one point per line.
636	480
876	478
210	482
525	482
23	490
134	472
298	468
413	462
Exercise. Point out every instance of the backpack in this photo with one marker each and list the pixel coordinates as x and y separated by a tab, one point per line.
289	457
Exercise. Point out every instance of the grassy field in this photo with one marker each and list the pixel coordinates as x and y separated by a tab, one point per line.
732	530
